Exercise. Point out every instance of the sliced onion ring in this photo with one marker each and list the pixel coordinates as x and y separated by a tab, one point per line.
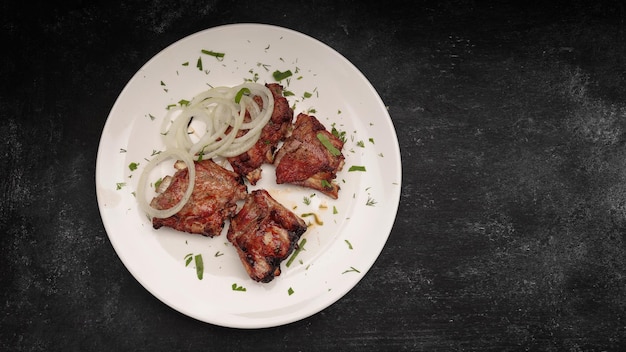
218	110
216	107
180	154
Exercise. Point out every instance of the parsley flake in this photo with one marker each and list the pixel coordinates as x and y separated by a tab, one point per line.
279	76
356	168
351	270
296	252
240	93
218	56
236	287
326	143
339	134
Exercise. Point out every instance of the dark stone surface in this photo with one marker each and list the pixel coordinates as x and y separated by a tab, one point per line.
511	228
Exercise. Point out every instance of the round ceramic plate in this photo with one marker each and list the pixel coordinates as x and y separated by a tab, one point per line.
345	236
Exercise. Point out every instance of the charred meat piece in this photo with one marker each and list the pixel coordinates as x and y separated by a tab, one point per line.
213	199
248	164
264	233
305	160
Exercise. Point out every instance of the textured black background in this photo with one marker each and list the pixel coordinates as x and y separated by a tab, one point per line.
511	227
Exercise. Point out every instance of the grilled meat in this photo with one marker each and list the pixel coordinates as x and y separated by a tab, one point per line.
304	160
264	233
213	199
248	164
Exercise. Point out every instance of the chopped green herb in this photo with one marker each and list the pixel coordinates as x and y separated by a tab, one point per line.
133	166
162	83
235	287
356	168
349	244
186	63
119	185
360	144
240	93
287	93
296	252
307	95
122	150
199	266
326	184
351	270
339	134
326	143
219	56
183	102
265	66
306	200
157	184
170	106
371	140
335	210
188	259
290	291
370	202
279	76
255	77
151	117
199	63
218	254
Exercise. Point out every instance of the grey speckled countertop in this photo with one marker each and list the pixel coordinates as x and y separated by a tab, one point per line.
510	233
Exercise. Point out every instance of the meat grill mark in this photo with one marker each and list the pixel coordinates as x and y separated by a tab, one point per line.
213	199
264	233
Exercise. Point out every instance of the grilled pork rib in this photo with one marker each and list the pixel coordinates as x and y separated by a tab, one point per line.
248	164
264	233
304	160
213	199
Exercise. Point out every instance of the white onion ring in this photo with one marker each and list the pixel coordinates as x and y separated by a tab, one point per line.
143	181
217	109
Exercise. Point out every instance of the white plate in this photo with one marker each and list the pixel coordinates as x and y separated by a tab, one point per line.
355	227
